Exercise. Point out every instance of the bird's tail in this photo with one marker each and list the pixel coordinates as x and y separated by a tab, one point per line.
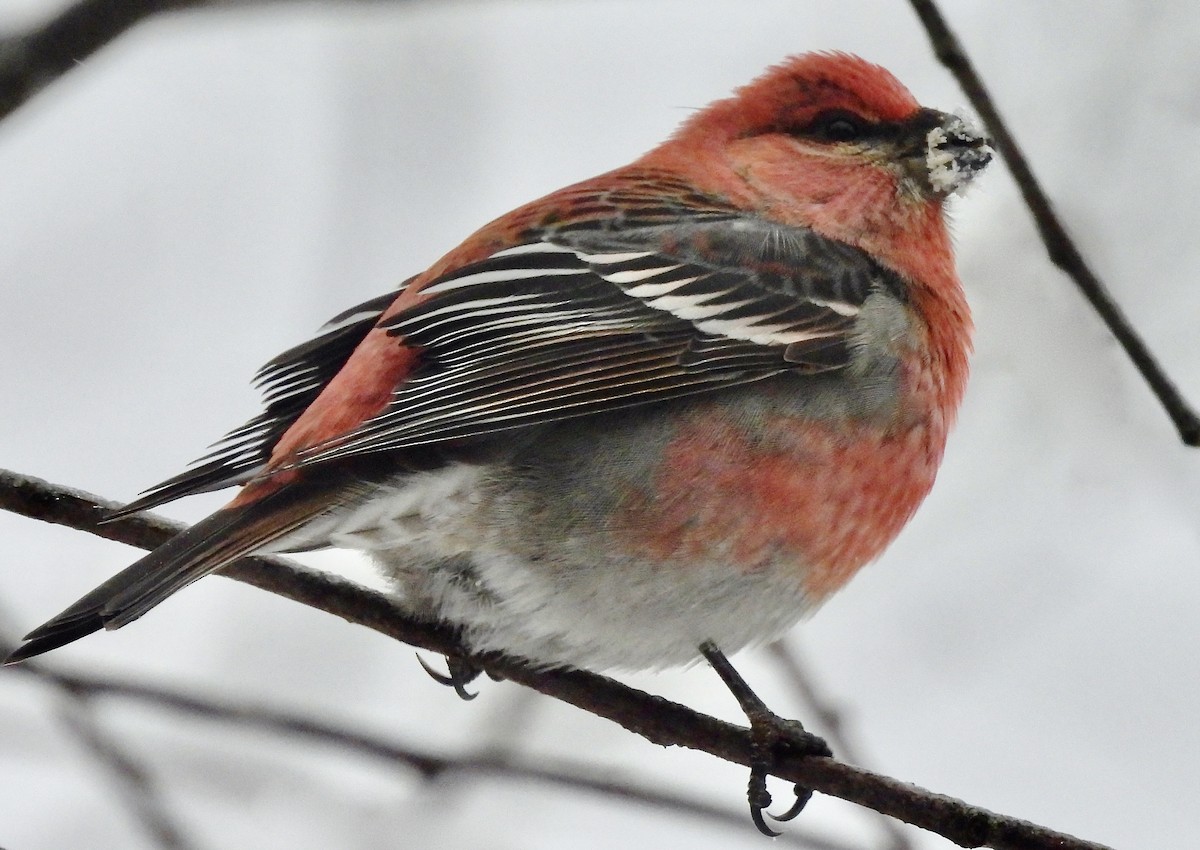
214	542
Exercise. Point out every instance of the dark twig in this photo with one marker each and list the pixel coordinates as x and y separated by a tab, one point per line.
831	724
654	718
576	776
30	61
133	783
1060	247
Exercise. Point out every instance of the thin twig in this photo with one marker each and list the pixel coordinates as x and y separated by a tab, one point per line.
832	725
132	782
1061	248
654	718
576	776
30	61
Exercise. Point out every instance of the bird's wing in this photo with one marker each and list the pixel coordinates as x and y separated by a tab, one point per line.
591	319
582	320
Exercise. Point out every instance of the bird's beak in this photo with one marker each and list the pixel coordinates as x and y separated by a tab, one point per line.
947	152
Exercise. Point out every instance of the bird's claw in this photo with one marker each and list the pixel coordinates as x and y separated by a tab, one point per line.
769	733
803	795
460	673
760	799
770	736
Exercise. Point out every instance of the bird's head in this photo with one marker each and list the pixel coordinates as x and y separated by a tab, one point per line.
834	134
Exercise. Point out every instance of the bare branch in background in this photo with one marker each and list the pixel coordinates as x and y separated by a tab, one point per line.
656	719
132	782
1061	248
832	724
29	62
569	775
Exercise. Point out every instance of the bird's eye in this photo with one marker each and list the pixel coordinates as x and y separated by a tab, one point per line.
838	126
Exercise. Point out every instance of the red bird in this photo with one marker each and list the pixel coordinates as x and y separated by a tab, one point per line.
663	412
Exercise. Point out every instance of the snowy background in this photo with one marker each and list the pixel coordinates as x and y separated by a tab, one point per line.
209	189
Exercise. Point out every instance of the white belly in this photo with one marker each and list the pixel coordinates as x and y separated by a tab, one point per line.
455	553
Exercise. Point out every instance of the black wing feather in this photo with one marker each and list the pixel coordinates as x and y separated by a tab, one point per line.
290	382
588	320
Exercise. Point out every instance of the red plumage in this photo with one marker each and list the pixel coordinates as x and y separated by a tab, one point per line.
680	402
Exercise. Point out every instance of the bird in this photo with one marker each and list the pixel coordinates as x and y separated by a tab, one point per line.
659	415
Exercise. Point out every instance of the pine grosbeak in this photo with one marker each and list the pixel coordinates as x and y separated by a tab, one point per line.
671	407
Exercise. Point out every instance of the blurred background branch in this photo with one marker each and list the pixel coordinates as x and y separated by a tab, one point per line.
132	781
31	61
82	689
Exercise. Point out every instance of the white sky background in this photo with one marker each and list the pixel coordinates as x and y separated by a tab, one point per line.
211	188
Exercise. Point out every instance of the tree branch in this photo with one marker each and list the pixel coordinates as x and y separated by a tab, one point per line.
654	718
430	765
29	62
133	783
1059	246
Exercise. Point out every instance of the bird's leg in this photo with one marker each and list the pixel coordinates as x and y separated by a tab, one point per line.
767	731
460	673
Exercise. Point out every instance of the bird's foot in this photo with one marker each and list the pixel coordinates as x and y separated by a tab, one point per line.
772	737
460	672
